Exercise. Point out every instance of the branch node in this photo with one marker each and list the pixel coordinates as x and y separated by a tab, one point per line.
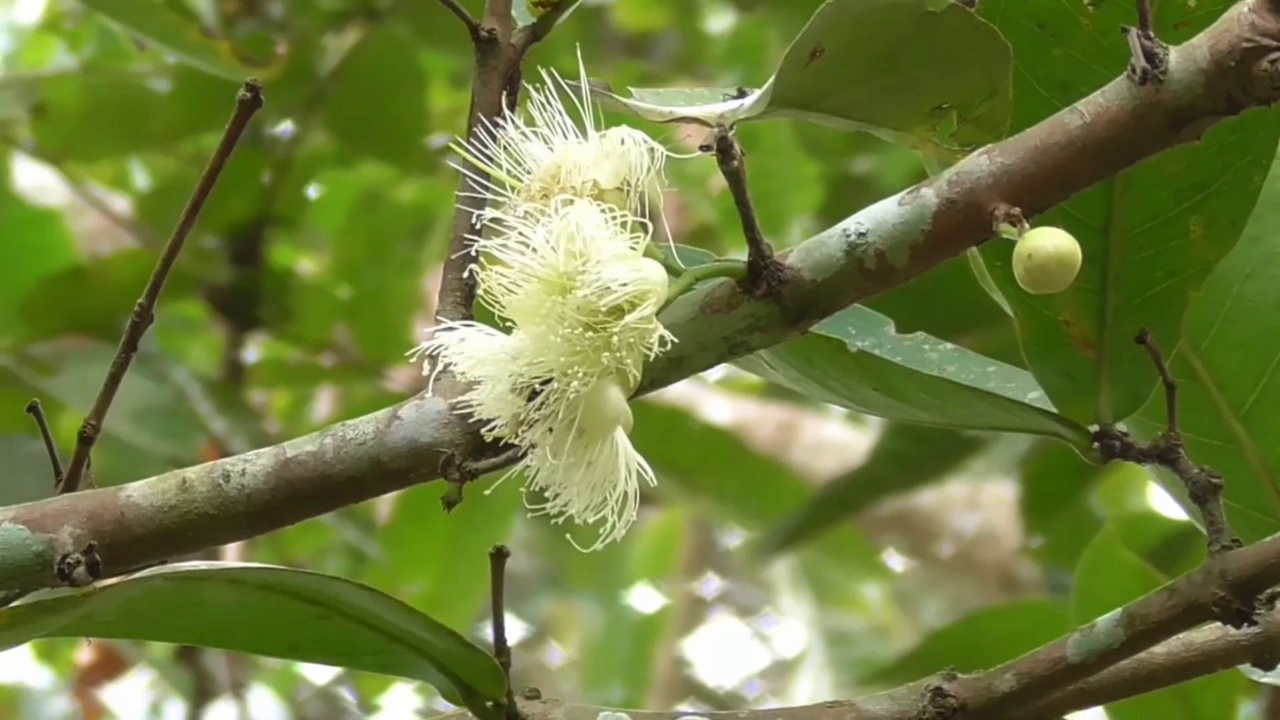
36	411
1149	57
1008	220
458	471
765	274
472	25
79	569
939	701
498	556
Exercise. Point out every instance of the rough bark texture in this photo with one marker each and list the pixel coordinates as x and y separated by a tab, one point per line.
1231	67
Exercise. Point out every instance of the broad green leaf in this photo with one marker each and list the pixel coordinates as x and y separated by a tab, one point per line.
454	586
379	255
715	467
153	22
28	472
114	282
36	245
855	359
980	640
149	412
896	465
265	610
881	66
1056	485
376	104
1228	387
1150	235
1113	572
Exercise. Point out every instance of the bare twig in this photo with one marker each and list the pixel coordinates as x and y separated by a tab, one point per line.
36	411
248	101
498	557
1204	486
1150	57
472	25
764	272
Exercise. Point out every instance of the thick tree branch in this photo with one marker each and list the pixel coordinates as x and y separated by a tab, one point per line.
1232	66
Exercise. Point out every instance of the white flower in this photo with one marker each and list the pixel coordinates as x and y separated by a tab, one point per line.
531	160
571	278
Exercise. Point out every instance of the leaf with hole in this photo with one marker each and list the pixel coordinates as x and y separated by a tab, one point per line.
888	67
271	611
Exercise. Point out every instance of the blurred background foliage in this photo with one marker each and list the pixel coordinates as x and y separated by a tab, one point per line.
792	551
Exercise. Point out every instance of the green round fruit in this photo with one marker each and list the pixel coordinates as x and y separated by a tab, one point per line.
1046	260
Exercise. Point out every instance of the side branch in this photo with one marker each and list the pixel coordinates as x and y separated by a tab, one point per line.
1223	71
248	102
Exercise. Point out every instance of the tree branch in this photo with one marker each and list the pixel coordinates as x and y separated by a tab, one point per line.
248	101
1222	72
497	59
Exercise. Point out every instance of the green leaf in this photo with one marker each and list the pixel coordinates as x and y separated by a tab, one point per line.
980	640
376	223
28	472
376	104
270	611
855	359
716	467
1060	520
454	585
1228	387
882	66
36	245
895	466
1150	235
1113	573
545	14
149	411
114	282
187	42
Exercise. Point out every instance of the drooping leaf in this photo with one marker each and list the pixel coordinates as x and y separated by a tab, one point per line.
271	611
154	22
896	465
855	359
1226	369
881	66
980	640
1150	235
1112	572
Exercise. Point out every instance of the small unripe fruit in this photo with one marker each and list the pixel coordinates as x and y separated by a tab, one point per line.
1046	260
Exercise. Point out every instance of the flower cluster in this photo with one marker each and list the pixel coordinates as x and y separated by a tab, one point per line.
561	262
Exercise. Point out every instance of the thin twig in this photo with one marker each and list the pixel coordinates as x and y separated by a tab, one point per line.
248	101
458	472
1149	62
472	25
498	557
36	411
762	269
1204	486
